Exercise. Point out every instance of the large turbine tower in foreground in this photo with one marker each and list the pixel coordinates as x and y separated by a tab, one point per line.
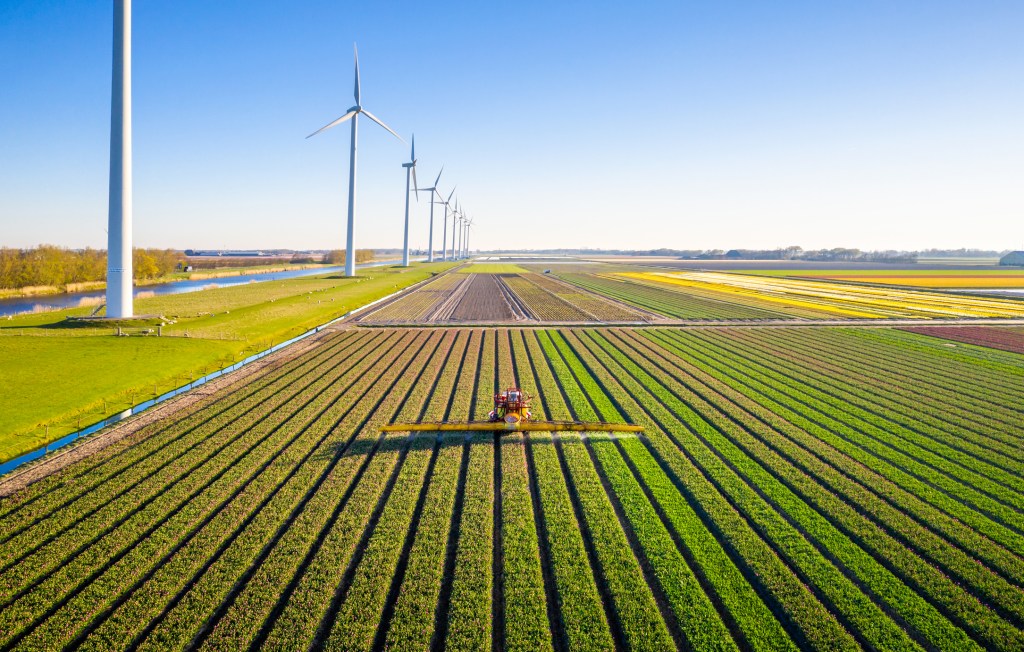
353	114
119	215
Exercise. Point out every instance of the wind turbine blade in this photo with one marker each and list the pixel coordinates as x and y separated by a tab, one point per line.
412	157
356	92
438	176
375	119
334	124
415	184
450	195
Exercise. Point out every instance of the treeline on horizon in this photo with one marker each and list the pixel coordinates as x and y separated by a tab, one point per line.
836	254
59	267
51	266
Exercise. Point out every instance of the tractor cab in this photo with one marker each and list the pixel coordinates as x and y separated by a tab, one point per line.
510	406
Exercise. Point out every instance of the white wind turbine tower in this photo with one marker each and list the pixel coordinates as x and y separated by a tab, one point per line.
410	167
465	241
465	234
119	215
462	226
433	191
455	216
462	235
444	235
353	114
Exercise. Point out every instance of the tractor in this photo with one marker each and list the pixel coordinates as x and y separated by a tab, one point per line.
511	413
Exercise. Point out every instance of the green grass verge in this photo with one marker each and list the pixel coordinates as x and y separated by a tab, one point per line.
59	376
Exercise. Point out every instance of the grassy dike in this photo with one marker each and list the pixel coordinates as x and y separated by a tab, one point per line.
57	375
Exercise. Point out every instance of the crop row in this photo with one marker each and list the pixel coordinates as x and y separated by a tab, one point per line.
890	381
923	368
833	514
843	299
921	497
418	304
321	571
996	338
41	499
668	301
895	495
92	544
256	601
938	414
103	504
544	304
601	308
938	450
983	377
274	480
758	510
864	437
670	375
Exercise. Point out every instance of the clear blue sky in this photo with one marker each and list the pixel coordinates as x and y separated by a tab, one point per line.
868	123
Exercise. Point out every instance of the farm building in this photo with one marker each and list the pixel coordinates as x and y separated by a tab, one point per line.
1013	258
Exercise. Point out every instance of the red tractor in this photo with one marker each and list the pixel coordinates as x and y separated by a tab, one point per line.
511	413
510	406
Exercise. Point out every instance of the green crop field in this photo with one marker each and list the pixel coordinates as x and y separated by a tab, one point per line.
821	488
793	487
58	376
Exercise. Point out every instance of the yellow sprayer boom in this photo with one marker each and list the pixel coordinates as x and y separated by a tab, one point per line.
517	426
511	413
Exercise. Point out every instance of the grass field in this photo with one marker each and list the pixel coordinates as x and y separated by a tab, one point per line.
58	375
793	488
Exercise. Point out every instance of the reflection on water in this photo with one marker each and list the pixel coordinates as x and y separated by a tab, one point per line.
23	305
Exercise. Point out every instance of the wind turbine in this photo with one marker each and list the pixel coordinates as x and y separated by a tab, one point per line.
469	227
455	215
119	211
465	232
410	167
462	224
433	191
353	114
444	236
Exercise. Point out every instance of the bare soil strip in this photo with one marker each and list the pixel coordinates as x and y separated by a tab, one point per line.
483	301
